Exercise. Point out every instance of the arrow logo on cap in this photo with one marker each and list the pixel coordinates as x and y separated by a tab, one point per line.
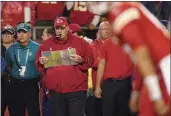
59	21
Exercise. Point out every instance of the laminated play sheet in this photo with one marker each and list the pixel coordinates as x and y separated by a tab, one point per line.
59	57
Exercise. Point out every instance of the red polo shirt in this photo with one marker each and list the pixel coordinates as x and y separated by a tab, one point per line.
118	63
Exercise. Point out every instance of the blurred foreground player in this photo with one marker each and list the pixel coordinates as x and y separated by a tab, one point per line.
135	25
151	45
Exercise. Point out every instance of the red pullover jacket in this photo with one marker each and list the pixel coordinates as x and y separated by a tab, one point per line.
68	78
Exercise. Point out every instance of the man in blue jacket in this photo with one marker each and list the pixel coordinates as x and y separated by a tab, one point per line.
20	57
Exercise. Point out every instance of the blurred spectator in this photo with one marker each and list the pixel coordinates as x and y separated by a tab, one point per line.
20	58
76	30
47	33
67	88
14	12
49	10
80	14
7	38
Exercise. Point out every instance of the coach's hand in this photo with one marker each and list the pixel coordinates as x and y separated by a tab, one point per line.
76	58
43	60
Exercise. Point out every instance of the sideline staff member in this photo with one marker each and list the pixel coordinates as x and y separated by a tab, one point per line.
7	39
68	88
24	91
115	68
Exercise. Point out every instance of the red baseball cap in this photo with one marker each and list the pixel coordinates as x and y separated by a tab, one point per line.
74	28
60	21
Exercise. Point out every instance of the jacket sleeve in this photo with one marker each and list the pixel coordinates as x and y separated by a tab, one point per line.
2	65
87	56
8	60
38	65
95	56
7	57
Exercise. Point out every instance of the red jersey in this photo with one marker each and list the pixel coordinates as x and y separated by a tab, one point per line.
49	10
80	14
13	12
135	25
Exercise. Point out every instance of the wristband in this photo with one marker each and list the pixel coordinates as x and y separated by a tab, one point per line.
153	87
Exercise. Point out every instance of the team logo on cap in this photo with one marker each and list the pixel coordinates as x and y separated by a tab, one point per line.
22	25
59	21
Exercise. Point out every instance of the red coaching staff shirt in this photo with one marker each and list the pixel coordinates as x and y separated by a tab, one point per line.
118	64
67	78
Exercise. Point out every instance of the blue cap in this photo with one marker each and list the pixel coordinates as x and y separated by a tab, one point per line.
23	26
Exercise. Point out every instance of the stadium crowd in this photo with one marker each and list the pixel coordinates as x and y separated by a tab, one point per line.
95	60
